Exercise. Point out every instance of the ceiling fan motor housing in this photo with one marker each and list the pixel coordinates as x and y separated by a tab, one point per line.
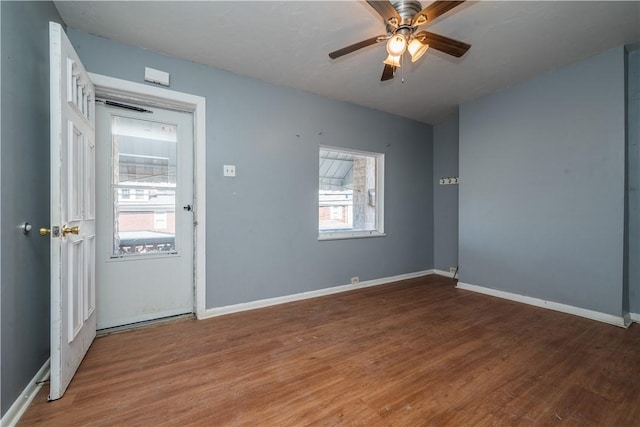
407	10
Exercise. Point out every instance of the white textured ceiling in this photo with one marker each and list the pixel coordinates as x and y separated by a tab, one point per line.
287	42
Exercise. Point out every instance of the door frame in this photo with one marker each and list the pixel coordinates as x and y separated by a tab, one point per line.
127	91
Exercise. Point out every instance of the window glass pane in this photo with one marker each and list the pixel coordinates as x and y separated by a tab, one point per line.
347	192
144	186
144	152
145	224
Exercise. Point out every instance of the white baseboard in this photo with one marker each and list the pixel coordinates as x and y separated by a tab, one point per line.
443	273
620	321
15	412
635	317
235	308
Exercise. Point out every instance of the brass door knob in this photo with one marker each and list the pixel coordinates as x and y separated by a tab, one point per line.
70	230
44	231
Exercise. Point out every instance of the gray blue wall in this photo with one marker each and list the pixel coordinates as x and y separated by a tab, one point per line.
24	181
262	225
542	186
633	140
445	197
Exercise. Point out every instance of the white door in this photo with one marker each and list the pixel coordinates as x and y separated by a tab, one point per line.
145	249
72	229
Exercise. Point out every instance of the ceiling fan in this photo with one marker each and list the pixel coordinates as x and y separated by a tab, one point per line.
402	19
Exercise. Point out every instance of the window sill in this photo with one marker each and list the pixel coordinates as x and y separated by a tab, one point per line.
342	235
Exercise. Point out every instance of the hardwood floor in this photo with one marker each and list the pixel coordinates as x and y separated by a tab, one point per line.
418	352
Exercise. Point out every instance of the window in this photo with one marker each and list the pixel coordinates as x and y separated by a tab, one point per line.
140	194
143	178
350	194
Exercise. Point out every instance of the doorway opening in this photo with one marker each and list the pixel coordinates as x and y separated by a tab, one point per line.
144	198
151	192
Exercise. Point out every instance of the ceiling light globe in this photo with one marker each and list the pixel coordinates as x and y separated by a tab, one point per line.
396	45
394	61
417	49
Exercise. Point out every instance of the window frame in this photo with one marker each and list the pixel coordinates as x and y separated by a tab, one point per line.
378	231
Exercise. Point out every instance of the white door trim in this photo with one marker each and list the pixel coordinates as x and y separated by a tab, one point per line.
150	95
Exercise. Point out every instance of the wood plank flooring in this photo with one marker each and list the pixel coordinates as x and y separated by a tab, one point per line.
417	352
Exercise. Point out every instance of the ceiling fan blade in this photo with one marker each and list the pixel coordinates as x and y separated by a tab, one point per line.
386	10
434	10
352	48
443	44
388	72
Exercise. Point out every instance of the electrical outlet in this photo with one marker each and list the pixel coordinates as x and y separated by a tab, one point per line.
229	170
355	280
452	270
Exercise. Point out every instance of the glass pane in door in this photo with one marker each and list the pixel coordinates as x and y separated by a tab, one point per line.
144	171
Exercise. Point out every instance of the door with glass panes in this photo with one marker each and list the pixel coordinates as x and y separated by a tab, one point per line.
144	192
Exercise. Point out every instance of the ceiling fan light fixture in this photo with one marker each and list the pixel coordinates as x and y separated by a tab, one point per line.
394	61
417	49
396	45
402	19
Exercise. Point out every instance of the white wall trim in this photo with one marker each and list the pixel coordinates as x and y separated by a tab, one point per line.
443	273
620	321
15	412
635	317
235	308
137	92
